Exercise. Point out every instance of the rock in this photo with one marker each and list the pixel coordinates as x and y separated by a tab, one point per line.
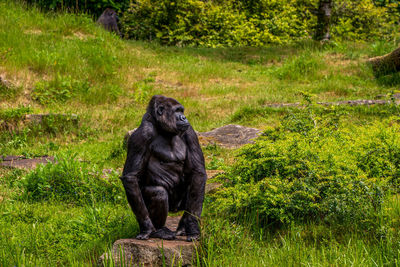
213	173
152	252
212	187
21	162
229	136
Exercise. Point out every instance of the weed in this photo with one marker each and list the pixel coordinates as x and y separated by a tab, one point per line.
58	90
70	180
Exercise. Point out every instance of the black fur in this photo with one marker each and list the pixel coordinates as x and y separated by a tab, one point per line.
109	20
164	171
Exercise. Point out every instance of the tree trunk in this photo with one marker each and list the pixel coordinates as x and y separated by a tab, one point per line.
324	20
386	64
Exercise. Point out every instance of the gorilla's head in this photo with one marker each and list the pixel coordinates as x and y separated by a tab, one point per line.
168	114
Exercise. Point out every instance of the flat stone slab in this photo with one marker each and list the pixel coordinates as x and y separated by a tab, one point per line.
21	162
229	136
152	252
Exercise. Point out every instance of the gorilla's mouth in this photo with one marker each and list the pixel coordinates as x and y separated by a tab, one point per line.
182	126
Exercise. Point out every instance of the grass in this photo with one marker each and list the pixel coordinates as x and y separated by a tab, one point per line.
64	63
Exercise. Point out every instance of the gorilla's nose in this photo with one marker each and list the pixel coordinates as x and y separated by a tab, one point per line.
182	118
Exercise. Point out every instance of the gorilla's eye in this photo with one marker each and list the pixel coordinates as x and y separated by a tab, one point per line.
179	109
160	110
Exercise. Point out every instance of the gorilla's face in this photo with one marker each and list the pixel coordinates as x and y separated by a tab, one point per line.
169	115
181	122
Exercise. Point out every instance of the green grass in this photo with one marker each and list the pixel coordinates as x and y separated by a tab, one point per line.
64	63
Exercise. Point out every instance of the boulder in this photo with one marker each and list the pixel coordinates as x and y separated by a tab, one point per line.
229	136
153	252
21	162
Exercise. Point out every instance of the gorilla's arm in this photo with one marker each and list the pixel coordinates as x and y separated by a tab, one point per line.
133	170
196	176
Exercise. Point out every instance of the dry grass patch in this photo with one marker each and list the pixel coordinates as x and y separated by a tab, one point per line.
33	31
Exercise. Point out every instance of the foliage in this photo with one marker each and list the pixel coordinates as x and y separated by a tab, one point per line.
58	90
206	23
71	180
88	6
251	23
363	20
312	168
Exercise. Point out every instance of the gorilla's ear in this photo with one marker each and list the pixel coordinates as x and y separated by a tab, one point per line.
160	110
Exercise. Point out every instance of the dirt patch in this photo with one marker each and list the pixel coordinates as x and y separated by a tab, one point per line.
338	60
79	35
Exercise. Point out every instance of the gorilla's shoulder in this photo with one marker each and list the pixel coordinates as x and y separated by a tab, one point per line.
146	132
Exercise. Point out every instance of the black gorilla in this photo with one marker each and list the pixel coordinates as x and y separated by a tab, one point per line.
164	171
109	21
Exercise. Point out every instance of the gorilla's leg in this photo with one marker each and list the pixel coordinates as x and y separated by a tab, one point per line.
156	199
135	199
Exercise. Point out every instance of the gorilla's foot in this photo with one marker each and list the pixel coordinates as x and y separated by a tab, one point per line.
180	232
191	238
163	233
144	235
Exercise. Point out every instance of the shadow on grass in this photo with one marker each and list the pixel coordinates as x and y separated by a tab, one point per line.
388	80
246	55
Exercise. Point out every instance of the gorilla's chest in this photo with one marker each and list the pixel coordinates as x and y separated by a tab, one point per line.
165	166
172	150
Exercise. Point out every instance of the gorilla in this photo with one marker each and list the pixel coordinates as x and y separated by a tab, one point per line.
164	171
109	21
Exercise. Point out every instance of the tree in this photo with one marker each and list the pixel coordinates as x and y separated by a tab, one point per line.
324	20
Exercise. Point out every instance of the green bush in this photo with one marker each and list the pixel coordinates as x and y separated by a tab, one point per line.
211	24
252	23
95	7
363	20
312	168
71	180
58	90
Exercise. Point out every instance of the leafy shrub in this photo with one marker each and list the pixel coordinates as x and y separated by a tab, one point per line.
58	90
311	168
252	23
88	6
363	20
209	23
71	180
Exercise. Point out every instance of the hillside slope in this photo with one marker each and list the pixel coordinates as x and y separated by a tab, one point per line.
64	63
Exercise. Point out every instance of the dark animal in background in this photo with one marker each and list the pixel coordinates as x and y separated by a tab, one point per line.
109	20
164	171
